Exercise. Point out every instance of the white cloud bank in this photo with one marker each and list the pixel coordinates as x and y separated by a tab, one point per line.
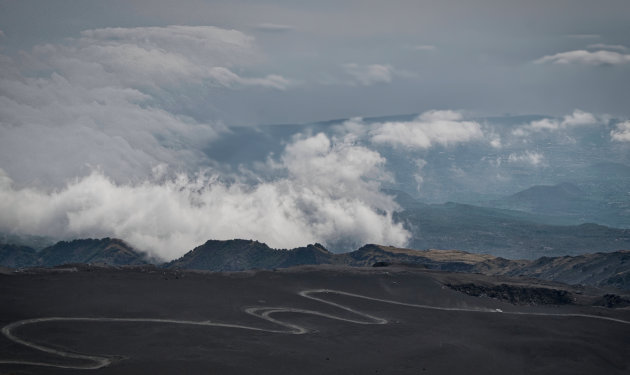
51	130
430	128
87	150
601	57
576	119
330	194
93	101
622	133
157	56
532	158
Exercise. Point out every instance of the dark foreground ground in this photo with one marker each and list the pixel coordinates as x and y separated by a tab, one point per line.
415	340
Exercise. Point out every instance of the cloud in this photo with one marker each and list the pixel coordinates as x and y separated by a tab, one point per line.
154	56
584	36
576	119
331	194
88	149
418	177
97	101
423	47
622	133
51	130
226	78
367	75
430	128
532	158
274	27
601	57
495	141
617	47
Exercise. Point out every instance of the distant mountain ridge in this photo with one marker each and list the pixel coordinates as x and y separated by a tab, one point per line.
598	269
505	233
110	251
570	204
238	255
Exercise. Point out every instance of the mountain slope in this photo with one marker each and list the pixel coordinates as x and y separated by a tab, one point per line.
599	200
106	250
504	233
15	256
563	200
238	255
600	269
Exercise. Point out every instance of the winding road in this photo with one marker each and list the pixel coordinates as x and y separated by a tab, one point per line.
265	313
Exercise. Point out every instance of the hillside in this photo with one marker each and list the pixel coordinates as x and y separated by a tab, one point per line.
109	251
504	233
307	320
569	204
602	269
602	199
16	256
238	255
599	269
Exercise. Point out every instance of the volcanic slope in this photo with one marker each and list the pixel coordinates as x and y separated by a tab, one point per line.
238	255
599	269
307	320
110	251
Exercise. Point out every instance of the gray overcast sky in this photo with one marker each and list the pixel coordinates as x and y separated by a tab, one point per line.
369	58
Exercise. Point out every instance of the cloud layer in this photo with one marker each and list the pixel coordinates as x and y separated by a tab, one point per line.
367	75
601	57
330	194
621	133
102	101
96	140
157	56
429	129
89	148
576	119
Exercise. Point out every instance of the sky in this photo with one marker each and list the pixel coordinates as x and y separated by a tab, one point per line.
339	59
107	109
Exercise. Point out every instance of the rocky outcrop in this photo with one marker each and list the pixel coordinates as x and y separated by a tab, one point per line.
518	295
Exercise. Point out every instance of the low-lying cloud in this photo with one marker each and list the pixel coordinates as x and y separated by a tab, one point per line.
52	130
156	56
585	57
98	101
88	148
430	128
621	133
576	119
331	194
528	157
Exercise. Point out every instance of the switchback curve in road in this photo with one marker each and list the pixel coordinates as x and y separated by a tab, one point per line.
93	362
